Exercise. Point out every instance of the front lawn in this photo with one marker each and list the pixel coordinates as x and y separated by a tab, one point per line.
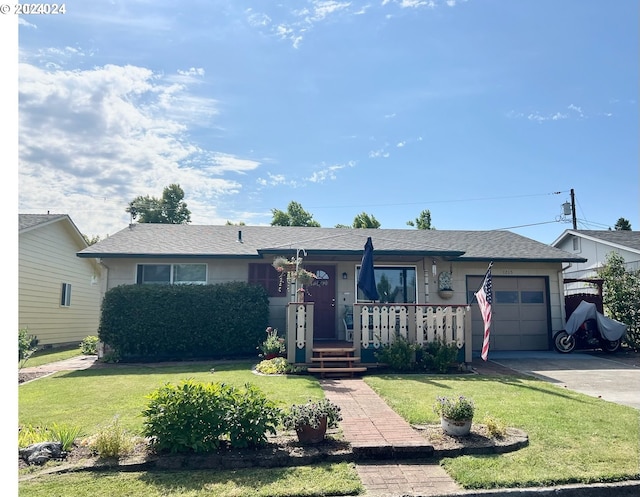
91	398
572	437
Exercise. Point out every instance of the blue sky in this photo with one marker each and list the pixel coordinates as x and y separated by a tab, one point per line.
479	111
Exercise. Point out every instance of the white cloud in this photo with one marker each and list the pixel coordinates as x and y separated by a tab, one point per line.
380	153
109	134
328	173
401	144
193	71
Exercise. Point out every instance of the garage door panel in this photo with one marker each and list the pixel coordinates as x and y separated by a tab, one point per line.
532	328
519	317
506	313
506	342
534	342
533	313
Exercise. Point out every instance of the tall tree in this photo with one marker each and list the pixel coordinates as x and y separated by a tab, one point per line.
364	220
295	216
623	225
170	209
423	221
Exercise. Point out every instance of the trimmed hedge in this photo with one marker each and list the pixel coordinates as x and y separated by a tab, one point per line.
154	322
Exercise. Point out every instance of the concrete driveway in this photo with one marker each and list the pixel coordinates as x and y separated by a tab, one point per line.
591	373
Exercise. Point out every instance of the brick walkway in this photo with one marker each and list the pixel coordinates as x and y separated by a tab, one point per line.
370	425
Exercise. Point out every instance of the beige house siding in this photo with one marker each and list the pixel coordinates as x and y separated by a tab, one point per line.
47	259
122	271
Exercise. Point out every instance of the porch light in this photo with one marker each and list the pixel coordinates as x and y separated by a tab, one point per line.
345	275
434	268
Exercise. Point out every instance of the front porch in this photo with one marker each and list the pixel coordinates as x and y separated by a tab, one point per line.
376	325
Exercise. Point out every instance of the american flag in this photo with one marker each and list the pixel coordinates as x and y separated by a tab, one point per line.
485	298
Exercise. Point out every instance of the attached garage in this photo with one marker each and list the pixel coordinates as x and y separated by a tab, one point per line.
521	315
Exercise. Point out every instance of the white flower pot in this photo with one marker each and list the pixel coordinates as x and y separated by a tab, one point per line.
455	428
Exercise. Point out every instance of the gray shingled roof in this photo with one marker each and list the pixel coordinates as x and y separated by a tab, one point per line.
26	221
170	240
623	238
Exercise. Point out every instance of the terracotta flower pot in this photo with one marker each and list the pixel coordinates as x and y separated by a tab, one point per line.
310	435
456	428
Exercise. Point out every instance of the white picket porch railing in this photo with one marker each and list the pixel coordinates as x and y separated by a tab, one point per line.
375	325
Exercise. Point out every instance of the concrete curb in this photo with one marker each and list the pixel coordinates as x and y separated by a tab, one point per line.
629	488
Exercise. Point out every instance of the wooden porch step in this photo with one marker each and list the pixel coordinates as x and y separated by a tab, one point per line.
336	358
333	350
341	371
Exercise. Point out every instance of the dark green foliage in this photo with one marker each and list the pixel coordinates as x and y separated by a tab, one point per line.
437	356
27	344
621	296
153	322
400	355
89	346
198	417
403	356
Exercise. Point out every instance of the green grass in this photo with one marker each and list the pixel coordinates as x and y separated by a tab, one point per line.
320	480
573	438
46	356
91	398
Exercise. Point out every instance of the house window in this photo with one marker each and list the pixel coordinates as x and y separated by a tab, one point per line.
576	244
65	295
267	276
395	284
168	274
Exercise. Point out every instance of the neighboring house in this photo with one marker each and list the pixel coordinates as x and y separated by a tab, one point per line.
59	294
595	246
528	301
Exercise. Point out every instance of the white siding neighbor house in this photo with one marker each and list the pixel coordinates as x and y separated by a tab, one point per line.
59	294
426	279
594	246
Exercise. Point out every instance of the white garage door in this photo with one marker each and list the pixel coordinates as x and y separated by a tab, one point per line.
520	313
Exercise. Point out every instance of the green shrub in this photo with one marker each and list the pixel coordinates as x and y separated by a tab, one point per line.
89	346
27	345
178	322
437	356
197	417
65	434
400	355
495	427
112	441
277	365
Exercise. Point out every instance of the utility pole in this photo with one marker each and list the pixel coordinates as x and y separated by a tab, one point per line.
573	210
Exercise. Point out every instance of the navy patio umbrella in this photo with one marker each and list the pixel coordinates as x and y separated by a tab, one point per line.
366	277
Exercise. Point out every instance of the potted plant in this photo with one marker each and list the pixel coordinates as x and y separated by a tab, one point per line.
311	420
273	345
456	414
